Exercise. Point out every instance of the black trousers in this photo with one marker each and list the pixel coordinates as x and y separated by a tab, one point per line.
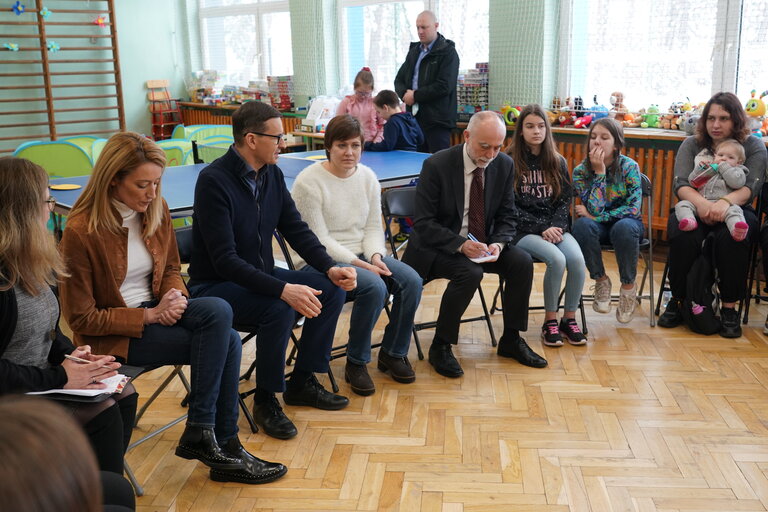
731	257
435	139
514	265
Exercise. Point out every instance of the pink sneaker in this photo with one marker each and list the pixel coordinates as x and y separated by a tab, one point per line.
688	225
740	230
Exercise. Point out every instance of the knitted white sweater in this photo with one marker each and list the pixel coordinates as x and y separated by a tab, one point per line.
344	213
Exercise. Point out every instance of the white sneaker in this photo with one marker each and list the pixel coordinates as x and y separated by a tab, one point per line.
627	304
602	294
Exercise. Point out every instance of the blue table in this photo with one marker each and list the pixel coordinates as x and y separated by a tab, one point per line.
393	168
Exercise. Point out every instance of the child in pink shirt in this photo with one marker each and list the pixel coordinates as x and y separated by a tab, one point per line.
360	106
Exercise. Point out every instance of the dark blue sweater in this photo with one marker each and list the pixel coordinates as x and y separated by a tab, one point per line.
401	131
232	231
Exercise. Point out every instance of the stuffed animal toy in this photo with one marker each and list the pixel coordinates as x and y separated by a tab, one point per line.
651	117
553	116
618	109
566	117
556	104
631	120
689	122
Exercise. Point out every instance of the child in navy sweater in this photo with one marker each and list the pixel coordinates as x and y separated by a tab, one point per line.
401	130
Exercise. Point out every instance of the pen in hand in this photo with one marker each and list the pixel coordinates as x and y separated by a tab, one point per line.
80	360
474	239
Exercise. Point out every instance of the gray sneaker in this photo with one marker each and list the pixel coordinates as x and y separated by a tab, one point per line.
602	294
627	304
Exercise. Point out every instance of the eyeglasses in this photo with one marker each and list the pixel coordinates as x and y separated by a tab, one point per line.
51	202
278	138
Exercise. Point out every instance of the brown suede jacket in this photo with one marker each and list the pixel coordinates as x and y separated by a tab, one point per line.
97	261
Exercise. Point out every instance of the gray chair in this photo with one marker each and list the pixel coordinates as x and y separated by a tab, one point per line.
646	251
397	203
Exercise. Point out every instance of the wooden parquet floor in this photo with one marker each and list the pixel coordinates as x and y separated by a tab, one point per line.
641	419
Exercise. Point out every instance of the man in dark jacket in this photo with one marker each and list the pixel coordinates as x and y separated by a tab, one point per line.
463	224
427	83
240	200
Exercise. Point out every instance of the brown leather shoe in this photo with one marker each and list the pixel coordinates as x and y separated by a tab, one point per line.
399	367
358	378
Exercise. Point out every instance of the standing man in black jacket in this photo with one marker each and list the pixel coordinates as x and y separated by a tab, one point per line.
463	224
427	83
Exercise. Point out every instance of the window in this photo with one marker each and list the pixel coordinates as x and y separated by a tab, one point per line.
378	34
246	40
653	52
753	71
664	51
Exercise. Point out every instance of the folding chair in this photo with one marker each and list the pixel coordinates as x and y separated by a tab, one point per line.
184	243
646	251
753	290
250	331
497	299
177	372
397	203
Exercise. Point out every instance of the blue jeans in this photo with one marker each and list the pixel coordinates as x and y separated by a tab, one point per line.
558	257
203	338
273	319
623	234
370	296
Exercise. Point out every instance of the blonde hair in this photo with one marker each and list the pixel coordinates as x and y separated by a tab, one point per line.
28	254
736	145
122	154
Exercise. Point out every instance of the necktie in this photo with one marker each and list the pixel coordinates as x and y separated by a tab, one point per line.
477	206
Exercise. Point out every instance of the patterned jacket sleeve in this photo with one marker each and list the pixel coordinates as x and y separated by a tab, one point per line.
630	203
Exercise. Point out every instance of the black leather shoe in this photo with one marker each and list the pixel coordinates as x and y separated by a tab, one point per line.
253	471
313	394
398	367
520	351
730	325
442	360
200	443
671	316
270	417
358	378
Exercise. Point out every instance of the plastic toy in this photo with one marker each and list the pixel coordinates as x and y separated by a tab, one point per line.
510	114
756	110
583	121
597	111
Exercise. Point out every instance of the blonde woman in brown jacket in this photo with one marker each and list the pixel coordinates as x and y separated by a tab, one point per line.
125	297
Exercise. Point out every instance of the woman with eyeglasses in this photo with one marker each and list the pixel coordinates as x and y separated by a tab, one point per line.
360	106
32	348
125	296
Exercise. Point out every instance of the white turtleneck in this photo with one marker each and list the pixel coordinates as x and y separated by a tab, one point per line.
136	286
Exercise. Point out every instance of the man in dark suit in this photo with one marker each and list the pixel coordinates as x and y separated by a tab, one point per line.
427	83
465	193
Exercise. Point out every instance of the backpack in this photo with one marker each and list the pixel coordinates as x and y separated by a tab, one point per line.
701	304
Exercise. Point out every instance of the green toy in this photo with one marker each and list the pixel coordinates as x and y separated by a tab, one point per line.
651	117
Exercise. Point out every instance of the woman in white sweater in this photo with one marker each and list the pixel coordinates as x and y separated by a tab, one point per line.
340	199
